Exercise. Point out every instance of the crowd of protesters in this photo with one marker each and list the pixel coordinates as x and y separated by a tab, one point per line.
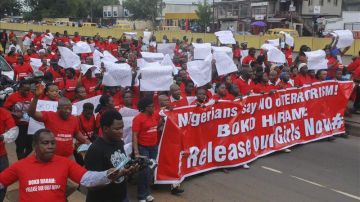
102	125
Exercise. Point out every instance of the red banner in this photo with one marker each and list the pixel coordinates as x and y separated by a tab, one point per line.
231	133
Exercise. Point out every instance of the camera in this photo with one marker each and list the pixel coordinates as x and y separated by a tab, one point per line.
143	162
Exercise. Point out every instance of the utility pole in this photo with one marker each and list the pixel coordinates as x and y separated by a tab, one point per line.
213	16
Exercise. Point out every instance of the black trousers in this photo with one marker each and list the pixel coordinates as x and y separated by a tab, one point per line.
23	142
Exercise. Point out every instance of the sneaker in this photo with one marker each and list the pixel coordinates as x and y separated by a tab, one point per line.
287	150
225	170
150	198
176	190
246	166
142	200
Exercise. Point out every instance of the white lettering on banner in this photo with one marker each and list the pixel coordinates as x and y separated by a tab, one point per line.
46	106
315	127
284	116
194	119
218	154
241	126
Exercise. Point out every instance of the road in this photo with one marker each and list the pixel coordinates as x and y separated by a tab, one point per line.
319	171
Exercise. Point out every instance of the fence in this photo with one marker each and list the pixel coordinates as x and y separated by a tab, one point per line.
253	40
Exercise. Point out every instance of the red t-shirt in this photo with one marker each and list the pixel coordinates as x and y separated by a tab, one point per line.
58	77
178	103
89	85
244	86
6	122
288	55
283	85
69	85
87	126
332	61
11	59
300	80
228	96
17	97
63	130
248	59
76	38
353	65
263	88
146	127
39	181
22	71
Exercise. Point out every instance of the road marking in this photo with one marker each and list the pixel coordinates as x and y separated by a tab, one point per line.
347	194
308	181
272	169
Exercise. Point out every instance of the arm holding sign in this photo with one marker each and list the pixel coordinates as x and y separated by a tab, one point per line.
32	108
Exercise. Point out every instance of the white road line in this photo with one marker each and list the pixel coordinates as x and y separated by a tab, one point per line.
272	169
347	194
308	181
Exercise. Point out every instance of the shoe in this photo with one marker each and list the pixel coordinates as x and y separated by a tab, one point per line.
246	166
176	190
225	170
142	200
150	198
287	150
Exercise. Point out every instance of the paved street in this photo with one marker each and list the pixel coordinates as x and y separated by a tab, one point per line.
319	171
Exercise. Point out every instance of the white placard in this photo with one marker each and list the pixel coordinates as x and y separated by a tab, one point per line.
346	38
47	39
244	53
224	64
36	63
267	46
44	106
146	38
201	50
81	47
117	74
276	56
200	71
168	62
84	68
97	55
128	116
228	50
68	58
109	57
156	78
130	35
152	57
79	105
316	60
225	37
274	42
27	41
166	48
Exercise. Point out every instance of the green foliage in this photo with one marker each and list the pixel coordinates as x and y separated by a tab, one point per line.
143	9
204	12
9	7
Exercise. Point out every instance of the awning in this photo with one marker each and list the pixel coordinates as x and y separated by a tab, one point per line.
275	19
177	16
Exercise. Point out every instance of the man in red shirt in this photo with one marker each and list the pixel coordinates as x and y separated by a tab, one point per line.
176	100
90	83
43	176
76	37
354	64
22	69
18	104
302	78
8	133
249	58
61	123
244	82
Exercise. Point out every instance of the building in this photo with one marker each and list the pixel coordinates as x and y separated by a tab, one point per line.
176	16
115	12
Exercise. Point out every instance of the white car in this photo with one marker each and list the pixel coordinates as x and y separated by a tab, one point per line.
6	69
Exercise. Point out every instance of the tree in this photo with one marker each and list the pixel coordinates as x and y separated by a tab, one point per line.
9	7
143	9
204	13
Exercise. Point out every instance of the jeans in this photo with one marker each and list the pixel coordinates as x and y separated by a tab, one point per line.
146	175
4	163
23	142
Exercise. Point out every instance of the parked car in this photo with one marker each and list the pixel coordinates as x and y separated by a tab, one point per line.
6	68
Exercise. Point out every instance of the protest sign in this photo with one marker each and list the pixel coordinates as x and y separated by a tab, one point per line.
146	38
224	64
346	38
109	57
36	63
228	134
81	47
166	48
68	58
168	62
117	74
84	68
225	37
276	56
225	49
97	55
47	39
156	78
127	117
27	41
46	106
200	71
79	105
130	35
152	57
201	50
267	46
316	60
274	42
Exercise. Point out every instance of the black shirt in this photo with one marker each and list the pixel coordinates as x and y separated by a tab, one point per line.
101	156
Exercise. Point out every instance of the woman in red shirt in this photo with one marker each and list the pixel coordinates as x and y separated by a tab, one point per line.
222	93
145	136
69	84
